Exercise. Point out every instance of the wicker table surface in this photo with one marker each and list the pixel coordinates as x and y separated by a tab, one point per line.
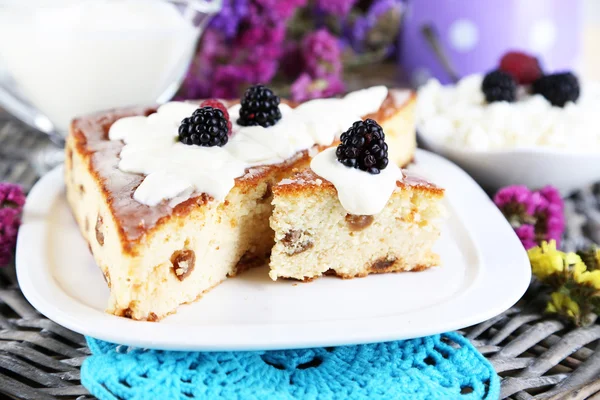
537	357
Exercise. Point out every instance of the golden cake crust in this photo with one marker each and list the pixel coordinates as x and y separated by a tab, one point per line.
303	182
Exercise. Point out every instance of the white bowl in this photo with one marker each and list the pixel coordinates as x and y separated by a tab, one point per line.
536	167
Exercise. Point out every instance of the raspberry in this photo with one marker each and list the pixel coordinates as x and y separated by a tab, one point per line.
206	127
214	103
259	107
363	146
499	86
558	89
523	67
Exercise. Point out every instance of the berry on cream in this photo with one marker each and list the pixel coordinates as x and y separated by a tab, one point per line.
176	171
359	169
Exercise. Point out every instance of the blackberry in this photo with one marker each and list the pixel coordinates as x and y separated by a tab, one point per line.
214	103
206	127
260	106
499	86
363	146
558	89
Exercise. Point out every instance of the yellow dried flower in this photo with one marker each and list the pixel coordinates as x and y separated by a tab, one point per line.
546	260
574	276
589	278
591	258
560	303
574	263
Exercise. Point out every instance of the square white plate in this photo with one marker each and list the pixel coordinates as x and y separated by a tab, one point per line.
485	271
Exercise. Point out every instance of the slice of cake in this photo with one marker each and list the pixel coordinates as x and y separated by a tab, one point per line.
173	200
397	118
353	213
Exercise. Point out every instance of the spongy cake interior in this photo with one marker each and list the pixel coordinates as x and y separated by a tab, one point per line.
314	235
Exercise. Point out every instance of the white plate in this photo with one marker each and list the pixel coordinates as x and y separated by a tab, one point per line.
485	271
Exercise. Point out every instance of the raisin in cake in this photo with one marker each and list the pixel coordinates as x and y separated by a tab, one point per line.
172	201
352	214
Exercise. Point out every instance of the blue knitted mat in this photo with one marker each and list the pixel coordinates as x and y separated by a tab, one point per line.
437	367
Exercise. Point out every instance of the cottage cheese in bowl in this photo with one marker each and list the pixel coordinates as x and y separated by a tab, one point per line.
528	142
458	116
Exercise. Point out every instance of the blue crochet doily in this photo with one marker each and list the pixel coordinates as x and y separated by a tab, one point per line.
437	367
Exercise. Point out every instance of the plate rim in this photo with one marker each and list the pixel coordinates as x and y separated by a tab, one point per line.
484	223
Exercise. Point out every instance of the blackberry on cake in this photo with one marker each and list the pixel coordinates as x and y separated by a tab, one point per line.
558	89
363	146
260	106
214	103
207	127
499	86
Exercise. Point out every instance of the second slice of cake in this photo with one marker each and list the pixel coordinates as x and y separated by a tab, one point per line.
351	215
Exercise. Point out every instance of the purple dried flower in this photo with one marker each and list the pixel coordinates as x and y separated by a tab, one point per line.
555	227
516	202
11	196
224	67
535	216
365	24
213	48
245	44
510	194
306	88
227	79
292	62
229	18
12	200
357	33
269	11
321	54
526	234
550	216
260	42
552	195
339	8
256	53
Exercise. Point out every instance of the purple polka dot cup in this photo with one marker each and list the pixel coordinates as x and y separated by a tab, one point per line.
449	39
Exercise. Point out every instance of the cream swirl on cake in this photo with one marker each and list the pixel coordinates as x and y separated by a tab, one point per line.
175	171
359	169
359	192
172	168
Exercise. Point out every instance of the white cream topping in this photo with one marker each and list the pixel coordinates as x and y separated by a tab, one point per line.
176	171
151	148
257	145
459	116
365	101
360	192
